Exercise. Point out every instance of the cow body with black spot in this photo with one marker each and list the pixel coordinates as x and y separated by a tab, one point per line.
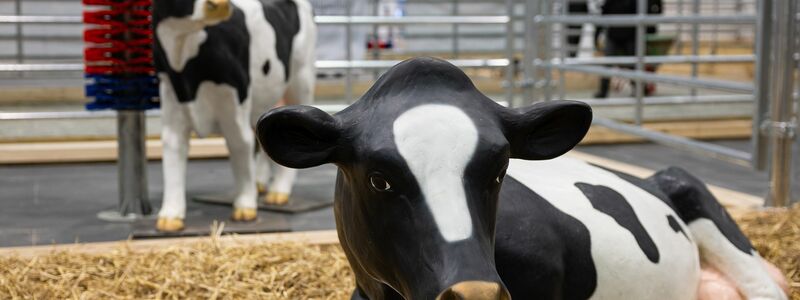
222	63
425	210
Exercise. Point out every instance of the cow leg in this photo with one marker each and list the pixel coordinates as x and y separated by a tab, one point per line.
722	244
299	91
262	170
240	139
175	130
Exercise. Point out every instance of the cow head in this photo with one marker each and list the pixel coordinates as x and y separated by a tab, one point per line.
421	158
206	12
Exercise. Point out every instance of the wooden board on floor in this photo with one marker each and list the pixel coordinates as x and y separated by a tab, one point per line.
322	237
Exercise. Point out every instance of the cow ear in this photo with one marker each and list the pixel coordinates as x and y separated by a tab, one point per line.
299	136
546	130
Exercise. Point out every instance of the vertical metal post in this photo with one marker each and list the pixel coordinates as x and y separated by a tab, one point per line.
510	36
531	51
376	48
695	41
454	12
546	42
781	101
679	43
715	30
763	48
132	163
562	41
641	10
348	40
795	178
738	8
18	27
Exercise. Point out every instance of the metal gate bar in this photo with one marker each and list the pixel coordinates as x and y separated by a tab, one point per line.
651	77
708	149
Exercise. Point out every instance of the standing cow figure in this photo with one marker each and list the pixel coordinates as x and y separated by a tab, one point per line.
221	63
424	208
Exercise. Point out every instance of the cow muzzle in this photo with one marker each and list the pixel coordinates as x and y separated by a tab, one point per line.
217	10
475	290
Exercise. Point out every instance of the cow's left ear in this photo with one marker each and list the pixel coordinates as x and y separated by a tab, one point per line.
546	130
299	136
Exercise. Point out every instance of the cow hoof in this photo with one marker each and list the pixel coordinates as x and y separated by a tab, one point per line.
169	224
276	198
261	188
244	214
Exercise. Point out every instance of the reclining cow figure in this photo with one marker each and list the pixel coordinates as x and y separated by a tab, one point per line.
444	194
222	63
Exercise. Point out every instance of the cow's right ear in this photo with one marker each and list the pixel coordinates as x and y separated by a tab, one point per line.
299	136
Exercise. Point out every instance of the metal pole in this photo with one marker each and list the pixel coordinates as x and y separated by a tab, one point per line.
546	37
715	30
510	53
703	148
455	30
18	28
781	125
795	181
132	163
562	41
716	84
641	10
531	52
348	40
763	48
738	8
679	43
695	40
376	49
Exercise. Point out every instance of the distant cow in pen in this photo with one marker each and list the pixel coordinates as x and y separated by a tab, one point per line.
221	64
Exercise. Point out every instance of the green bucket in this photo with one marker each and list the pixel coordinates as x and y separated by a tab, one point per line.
659	44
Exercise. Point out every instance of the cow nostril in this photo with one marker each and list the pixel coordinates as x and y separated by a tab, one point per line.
475	290
216	4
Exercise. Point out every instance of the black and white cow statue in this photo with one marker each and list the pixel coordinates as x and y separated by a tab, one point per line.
444	194
221	64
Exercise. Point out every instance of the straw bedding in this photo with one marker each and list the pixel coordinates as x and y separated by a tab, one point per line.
211	270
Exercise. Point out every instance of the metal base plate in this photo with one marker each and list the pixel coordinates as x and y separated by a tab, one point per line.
117	217
146	228
297	203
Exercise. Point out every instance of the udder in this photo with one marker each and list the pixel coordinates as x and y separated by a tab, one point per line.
715	286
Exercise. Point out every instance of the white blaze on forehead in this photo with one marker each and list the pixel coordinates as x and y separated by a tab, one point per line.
437	142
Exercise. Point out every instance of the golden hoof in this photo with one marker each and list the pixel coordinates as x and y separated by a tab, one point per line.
244	214
169	224
276	198
262	189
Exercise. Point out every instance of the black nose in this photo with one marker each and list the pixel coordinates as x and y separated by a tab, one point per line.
475	290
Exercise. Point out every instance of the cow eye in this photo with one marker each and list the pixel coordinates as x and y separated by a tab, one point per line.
379	184
500	177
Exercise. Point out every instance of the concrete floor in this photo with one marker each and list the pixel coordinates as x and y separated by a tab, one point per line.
45	204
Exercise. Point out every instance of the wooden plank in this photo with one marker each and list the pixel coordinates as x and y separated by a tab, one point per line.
93	151
322	237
